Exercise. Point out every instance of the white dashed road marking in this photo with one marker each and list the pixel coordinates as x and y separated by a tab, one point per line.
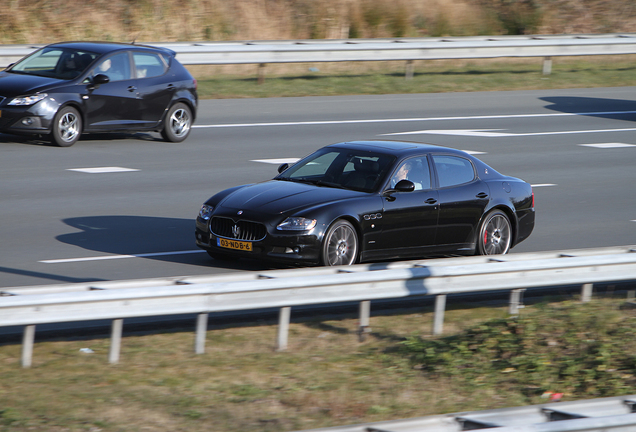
543	185
102	170
608	145
277	161
112	257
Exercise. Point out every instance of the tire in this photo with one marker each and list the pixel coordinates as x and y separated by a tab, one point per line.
495	234
67	127
178	123
340	244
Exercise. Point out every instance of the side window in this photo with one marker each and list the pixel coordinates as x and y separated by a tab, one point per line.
148	65
413	169
453	170
116	67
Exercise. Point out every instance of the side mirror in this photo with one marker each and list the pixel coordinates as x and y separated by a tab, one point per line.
282	167
100	79
405	186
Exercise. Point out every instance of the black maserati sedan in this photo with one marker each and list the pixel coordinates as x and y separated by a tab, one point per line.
66	89
366	201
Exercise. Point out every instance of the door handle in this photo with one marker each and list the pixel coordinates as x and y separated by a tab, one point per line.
171	87
132	88
430	201
482	195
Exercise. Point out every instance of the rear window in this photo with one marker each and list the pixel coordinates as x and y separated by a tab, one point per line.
453	170
149	65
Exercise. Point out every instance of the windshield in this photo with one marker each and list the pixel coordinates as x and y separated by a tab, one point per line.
343	168
55	62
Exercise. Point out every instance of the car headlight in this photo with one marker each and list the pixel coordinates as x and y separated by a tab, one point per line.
205	212
28	100
296	224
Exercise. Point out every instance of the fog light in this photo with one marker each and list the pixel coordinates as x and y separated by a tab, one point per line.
28	121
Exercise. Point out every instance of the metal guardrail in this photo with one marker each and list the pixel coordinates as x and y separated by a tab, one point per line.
615	414
282	289
400	49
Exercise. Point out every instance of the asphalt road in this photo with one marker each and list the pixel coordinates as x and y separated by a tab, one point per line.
62	225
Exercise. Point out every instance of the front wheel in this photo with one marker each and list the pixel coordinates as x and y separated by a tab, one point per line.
340	246
67	127
495	234
178	123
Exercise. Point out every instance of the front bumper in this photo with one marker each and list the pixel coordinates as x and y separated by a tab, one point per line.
280	246
26	119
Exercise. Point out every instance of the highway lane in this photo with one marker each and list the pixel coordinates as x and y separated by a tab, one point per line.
61	225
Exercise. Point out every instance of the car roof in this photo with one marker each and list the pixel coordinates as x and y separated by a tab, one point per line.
106	47
397	148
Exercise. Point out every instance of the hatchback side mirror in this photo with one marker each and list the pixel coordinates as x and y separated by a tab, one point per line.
100	79
282	167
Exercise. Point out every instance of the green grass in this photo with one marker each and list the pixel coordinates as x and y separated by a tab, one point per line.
429	77
326	378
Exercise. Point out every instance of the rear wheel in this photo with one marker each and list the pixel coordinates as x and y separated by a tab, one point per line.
495	234
67	127
340	246
178	123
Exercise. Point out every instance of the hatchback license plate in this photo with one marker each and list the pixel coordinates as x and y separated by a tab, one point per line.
233	244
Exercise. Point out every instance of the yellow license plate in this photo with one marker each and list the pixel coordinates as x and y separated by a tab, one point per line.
234	244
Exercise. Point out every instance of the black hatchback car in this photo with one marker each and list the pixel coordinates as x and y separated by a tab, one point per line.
370	200
66	89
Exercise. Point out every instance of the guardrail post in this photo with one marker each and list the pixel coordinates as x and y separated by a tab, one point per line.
28	337
410	68
261	74
438	319
283	328
202	327
515	301
586	292
363	327
115	340
547	65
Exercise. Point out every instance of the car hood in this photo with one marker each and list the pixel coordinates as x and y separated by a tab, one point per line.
276	197
13	84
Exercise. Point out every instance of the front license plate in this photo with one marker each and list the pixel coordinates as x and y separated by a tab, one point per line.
233	244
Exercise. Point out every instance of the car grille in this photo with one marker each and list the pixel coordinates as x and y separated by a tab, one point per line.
241	230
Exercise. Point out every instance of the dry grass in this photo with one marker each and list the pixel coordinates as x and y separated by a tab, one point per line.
46	21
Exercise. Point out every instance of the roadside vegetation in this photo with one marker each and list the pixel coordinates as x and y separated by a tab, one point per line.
485	360
430	77
46	21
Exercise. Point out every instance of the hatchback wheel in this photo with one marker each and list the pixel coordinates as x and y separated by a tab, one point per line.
495	234
178	123
340	246
67	127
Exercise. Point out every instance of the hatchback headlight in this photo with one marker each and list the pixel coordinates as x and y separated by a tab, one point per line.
296	224
205	212
28	100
